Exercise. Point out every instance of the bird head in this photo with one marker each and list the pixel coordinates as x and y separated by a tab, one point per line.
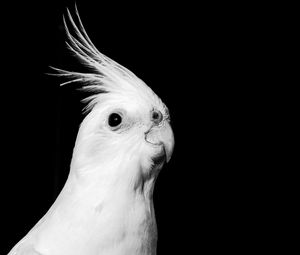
127	129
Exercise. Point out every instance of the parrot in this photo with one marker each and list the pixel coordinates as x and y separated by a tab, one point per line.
106	204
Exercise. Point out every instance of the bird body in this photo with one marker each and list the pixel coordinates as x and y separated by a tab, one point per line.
120	222
106	207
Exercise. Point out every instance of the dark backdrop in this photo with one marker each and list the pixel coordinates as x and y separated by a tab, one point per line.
192	56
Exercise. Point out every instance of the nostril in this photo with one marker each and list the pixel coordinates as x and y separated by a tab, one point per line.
156	116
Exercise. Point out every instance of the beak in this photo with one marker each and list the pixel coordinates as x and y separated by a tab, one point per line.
162	135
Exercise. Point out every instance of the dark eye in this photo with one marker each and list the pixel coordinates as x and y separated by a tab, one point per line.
114	120
156	116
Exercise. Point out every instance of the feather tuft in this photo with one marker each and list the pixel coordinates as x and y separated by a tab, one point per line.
105	74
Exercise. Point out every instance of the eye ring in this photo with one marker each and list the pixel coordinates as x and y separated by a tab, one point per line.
114	120
156	116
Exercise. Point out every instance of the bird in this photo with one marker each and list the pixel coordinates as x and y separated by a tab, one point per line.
106	205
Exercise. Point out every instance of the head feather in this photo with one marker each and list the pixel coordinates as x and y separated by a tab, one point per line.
106	75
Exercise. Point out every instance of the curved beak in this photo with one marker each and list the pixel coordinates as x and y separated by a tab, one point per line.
162	135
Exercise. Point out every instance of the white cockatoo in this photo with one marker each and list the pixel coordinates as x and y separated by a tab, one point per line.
106	207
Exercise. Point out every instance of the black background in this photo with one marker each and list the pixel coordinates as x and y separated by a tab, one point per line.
194	57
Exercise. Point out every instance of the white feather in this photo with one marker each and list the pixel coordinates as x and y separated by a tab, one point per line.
106	76
105	207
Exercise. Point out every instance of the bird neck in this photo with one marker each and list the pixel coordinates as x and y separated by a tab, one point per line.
126	174
111	215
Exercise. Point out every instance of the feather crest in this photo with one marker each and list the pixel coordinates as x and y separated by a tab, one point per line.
106	75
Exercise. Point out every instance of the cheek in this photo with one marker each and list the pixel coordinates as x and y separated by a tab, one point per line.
101	149
96	149
93	149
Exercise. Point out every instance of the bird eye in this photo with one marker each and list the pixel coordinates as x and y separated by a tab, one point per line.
156	116
114	120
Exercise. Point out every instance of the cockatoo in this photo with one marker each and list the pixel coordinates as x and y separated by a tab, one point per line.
106	206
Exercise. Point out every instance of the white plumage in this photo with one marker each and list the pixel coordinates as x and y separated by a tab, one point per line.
105	207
